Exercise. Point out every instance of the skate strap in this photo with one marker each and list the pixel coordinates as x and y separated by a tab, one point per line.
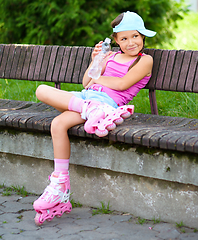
62	178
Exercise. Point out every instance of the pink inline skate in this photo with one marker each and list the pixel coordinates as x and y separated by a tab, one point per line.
102	117
112	119
55	199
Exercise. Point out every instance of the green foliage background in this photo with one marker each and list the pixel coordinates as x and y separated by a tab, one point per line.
82	22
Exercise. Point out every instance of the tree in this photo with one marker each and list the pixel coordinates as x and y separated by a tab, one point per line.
82	22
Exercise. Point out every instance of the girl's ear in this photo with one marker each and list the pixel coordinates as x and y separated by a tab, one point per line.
115	39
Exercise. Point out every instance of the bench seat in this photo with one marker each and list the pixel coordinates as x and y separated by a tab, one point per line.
164	132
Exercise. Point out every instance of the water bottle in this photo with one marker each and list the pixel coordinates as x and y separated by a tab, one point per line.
96	68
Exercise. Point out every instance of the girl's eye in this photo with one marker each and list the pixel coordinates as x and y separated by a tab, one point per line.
123	39
135	36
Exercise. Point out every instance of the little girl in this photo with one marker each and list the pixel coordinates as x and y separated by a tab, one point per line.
101	104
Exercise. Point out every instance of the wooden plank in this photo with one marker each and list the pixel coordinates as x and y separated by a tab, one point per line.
181	143
4	61
195	148
189	145
1	52
9	61
38	65
71	64
195	84
154	139
15	62
192	72
35	52
162	68
137	137
25	59
45	63
163	141
78	65
64	66
184	71
85	63
58	64
176	70
51	64
169	70
121	134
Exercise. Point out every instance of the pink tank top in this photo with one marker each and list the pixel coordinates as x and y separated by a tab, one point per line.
115	69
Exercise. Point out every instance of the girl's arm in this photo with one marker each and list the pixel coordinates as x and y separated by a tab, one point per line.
135	74
86	79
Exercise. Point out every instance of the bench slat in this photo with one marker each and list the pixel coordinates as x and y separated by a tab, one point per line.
13	69
25	59
33	62
169	69
176	70
162	68
39	62
195	85
45	63
71	65
51	63
9	61
58	63
86	62
4	61
192	72
78	65
184	71
64	67
1	52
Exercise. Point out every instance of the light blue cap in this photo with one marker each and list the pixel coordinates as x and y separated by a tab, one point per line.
132	21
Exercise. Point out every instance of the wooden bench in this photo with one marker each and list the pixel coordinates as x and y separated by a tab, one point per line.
173	70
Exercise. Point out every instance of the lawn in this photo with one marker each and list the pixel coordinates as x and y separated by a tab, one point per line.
169	103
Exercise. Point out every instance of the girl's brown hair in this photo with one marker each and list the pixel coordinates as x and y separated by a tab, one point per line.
114	23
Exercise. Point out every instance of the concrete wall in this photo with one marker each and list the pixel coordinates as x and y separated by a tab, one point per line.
147	183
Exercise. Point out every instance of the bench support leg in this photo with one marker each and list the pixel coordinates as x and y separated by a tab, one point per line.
58	85
153	102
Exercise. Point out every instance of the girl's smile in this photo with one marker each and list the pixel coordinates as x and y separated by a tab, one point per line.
130	42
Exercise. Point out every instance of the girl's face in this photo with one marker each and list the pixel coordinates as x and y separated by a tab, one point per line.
130	42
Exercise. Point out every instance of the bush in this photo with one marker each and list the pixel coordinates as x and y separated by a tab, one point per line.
80	22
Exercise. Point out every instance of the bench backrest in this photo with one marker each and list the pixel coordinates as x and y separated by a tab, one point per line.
173	70
58	64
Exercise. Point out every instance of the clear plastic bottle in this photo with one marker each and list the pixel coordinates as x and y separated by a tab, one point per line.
96	68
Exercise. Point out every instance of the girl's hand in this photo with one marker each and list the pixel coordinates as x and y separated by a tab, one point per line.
97	49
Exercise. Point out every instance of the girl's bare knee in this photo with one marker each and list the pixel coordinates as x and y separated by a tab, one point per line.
58	126
41	89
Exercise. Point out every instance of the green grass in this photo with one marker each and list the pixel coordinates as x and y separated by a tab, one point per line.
7	191
102	210
169	103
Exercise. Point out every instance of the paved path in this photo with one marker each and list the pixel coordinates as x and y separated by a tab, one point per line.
17	222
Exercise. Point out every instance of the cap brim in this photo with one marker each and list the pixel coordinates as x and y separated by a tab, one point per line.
146	32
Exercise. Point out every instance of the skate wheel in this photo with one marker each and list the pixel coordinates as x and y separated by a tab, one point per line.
58	216
111	127
37	219
119	121
101	133
126	115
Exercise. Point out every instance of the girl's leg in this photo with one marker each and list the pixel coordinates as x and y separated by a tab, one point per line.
55	199
54	97
59	128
